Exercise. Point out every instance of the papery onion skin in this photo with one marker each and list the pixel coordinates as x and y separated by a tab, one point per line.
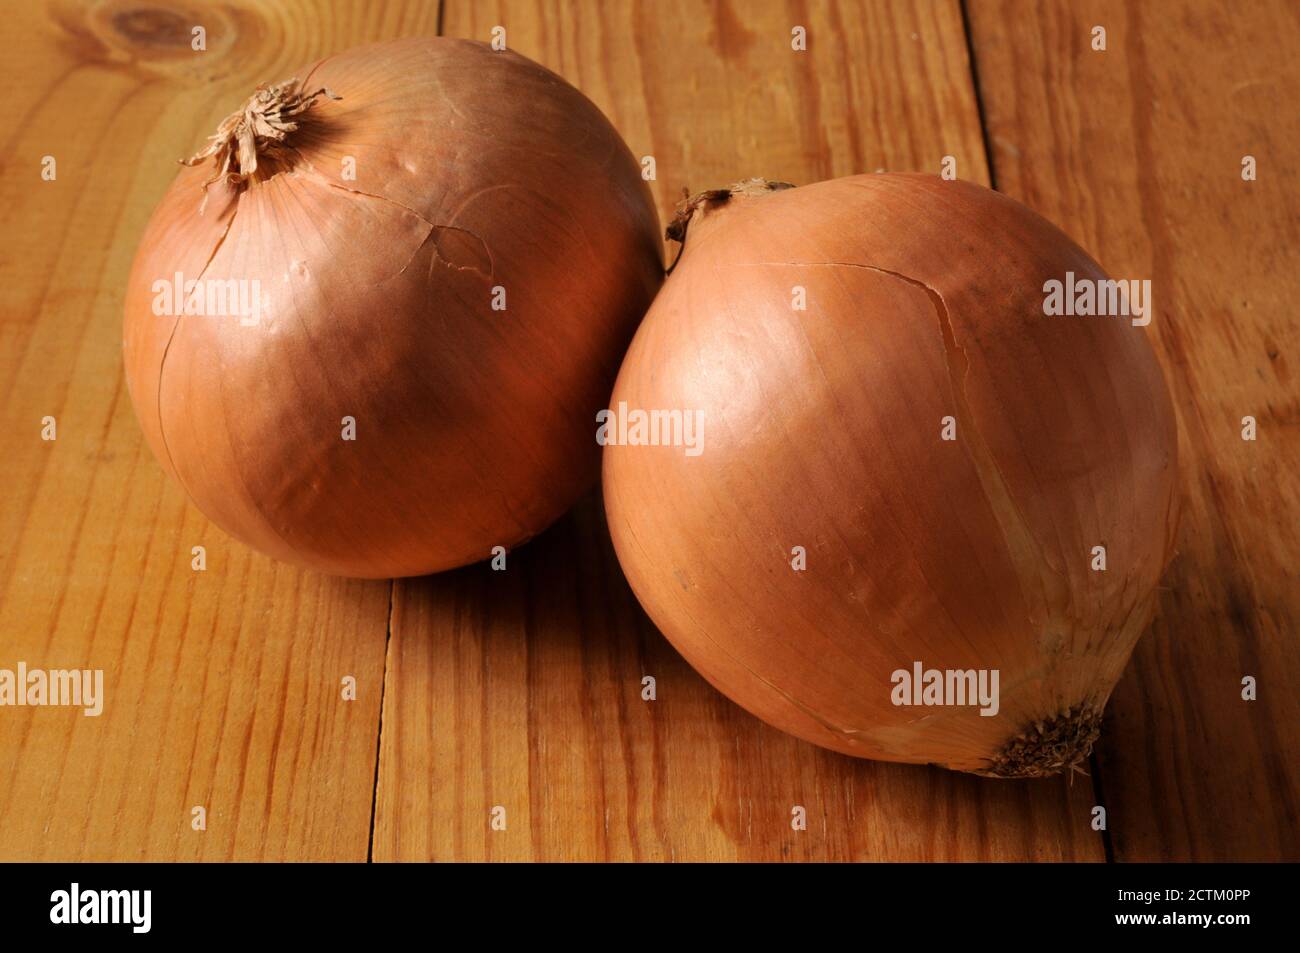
822	429
473	169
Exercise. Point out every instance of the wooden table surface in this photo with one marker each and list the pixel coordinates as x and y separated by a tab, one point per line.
521	690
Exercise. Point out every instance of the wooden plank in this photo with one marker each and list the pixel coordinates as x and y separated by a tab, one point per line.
222	688
522	689
1137	152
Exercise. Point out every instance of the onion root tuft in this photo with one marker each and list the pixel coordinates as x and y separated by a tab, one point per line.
1048	747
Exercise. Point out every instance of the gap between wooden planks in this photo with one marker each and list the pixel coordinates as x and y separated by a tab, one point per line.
522	690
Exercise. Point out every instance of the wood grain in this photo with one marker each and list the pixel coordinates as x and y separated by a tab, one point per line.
522	689
224	687
1137	152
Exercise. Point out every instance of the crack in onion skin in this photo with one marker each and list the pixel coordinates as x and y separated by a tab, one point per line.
474	427
823	430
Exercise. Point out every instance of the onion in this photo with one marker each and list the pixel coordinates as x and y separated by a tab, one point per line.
428	258
823	429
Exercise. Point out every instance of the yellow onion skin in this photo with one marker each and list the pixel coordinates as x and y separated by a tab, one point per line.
822	429
474	170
